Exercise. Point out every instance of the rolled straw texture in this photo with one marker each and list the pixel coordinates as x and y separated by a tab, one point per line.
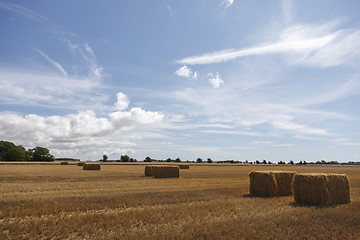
165	171
321	188
91	166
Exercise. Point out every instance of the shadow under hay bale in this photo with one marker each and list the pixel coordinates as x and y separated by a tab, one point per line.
91	166
80	164
321	189
165	171
271	183
184	166
148	171
64	163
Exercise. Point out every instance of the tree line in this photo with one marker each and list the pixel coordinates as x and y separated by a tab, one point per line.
11	152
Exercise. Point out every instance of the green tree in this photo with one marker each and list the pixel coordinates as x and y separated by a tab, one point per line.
168	160
148	159
105	158
177	160
10	152
41	154
199	160
209	160
124	158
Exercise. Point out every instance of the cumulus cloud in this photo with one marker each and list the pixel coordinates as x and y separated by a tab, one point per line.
73	129
184	71
122	102
215	80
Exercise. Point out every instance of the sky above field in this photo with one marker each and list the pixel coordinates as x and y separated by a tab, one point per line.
228	79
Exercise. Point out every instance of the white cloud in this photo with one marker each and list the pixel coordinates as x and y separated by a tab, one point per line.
184	71
227	3
73	130
312	45
53	62
216	80
122	102
195	75
22	11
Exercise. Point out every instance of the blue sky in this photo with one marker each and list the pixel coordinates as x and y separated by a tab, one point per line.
246	80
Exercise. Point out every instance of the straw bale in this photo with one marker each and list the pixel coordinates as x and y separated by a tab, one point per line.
271	183
165	171
80	164
148	171
64	163
321	188
91	166
184	166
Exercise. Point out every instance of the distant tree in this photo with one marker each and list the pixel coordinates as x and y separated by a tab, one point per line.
105	158
281	162
291	162
304	162
124	158
209	160
168	160
28	155
148	159
42	154
10	152
257	162
199	160
177	160
264	162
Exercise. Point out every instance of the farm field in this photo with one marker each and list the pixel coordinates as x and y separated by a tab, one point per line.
53	201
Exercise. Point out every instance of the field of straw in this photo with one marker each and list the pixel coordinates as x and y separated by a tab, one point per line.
54	201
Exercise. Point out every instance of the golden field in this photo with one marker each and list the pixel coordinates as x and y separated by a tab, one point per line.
53	201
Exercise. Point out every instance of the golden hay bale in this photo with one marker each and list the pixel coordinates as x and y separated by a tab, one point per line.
148	171
165	171
271	183
64	163
184	166
91	166
80	164
321	189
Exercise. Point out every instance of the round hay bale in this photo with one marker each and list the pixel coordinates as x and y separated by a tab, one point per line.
321	188
184	166
91	166
165	171
148	171
64	163
80	164
271	183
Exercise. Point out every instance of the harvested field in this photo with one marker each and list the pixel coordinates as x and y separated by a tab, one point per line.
207	202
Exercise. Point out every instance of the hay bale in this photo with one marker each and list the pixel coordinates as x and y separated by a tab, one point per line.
91	166
165	171
80	164
271	183
321	188
148	171
184	166
64	163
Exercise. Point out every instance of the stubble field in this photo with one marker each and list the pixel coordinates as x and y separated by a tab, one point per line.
207	202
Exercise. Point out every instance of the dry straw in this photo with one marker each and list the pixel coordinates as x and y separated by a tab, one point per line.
81	164
64	163
271	183
184	166
321	189
91	166
148	171
165	171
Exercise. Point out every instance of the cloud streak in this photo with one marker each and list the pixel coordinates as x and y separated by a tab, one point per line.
54	63
310	45
22	11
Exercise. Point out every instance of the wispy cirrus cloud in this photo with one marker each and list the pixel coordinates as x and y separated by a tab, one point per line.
314	45
22	11
54	63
